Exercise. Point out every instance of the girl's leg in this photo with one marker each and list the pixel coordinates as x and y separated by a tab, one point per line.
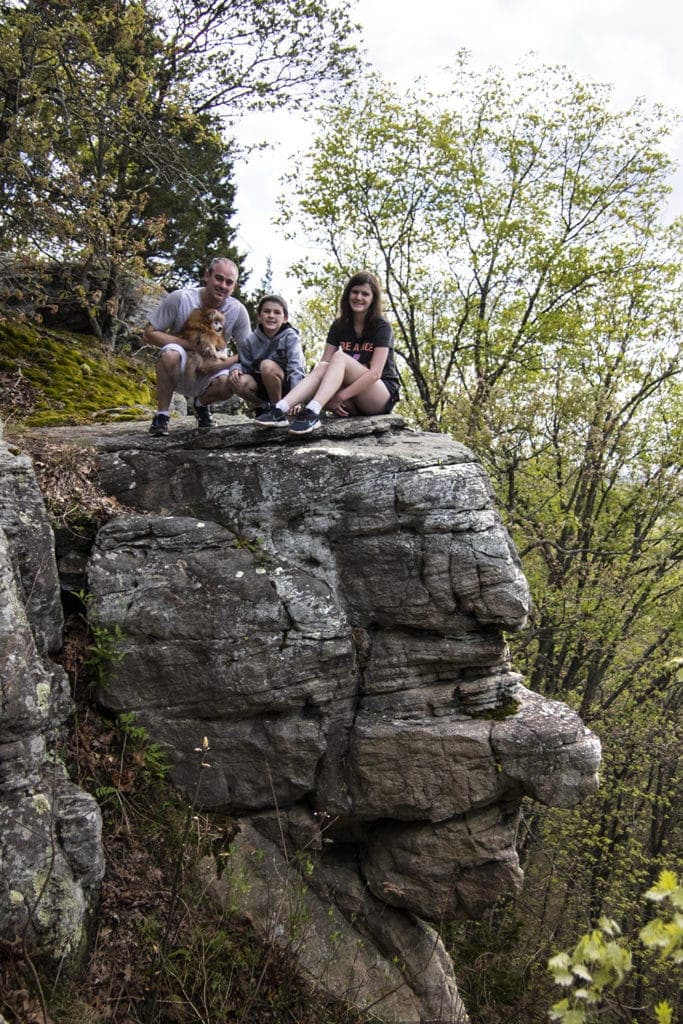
344	370
333	378
276	415
307	387
374	400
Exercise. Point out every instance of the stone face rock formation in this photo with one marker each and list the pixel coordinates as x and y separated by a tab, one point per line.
51	856
329	613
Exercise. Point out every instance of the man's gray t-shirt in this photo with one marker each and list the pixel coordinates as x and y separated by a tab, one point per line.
174	309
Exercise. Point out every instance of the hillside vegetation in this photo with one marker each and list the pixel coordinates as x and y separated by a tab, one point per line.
51	378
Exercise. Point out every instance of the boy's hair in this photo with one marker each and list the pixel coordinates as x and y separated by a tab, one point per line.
276	300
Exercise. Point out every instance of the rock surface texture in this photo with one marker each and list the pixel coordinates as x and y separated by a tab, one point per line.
329	612
51	858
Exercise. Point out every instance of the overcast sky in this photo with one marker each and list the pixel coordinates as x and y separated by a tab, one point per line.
636	46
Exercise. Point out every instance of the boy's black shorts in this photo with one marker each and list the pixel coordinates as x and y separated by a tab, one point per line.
260	386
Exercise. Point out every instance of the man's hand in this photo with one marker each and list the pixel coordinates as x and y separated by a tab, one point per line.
213	365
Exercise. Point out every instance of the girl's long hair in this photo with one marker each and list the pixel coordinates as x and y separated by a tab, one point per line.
374	311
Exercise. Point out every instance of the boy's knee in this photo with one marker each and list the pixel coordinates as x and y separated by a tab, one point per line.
269	368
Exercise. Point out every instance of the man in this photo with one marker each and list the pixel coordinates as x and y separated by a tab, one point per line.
214	385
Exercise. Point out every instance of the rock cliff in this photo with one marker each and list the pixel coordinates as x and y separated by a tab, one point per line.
50	852
329	613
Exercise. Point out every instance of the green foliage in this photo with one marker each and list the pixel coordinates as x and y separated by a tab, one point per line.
597	962
150	756
664	933
112	143
600	961
103	653
534	288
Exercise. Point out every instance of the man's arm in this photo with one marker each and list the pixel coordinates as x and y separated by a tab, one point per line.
152	336
164	319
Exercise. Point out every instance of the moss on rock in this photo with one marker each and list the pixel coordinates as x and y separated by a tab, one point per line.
52	378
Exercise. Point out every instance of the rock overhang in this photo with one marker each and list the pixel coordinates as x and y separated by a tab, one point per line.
349	653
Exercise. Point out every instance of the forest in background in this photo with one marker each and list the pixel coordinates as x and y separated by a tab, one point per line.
534	287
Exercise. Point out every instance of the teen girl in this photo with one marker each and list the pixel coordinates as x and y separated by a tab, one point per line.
357	375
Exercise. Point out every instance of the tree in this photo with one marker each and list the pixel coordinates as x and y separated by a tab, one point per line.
112	126
237	55
600	961
535	293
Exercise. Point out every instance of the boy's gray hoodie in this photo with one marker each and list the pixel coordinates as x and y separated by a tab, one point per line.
284	349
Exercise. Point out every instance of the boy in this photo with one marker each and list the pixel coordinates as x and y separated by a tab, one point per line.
271	360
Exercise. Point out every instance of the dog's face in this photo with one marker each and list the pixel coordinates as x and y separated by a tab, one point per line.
216	320
205	320
201	319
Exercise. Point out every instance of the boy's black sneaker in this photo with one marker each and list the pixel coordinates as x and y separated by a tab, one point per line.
203	414
272	417
304	422
159	426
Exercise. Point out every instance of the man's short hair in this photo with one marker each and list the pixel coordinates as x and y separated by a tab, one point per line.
223	259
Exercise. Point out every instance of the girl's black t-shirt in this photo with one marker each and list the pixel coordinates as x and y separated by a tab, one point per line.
377	334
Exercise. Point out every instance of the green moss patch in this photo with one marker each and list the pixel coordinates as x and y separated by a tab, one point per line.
51	378
507	710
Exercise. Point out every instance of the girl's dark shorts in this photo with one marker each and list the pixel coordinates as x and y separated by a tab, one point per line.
394	396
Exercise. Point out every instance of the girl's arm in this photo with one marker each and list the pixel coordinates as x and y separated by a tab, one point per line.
328	352
365	380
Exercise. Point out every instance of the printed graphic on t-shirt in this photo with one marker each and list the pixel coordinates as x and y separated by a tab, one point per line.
360	350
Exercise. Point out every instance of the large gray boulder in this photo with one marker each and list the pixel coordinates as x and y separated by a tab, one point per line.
330	614
51	858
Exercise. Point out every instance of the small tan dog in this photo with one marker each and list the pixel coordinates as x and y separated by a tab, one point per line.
204	327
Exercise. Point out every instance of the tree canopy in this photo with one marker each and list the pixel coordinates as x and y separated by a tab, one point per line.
534	287
114	118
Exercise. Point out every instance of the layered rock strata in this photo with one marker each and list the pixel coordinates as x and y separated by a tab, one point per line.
51	858
330	614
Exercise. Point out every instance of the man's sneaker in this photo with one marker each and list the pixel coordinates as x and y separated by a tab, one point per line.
159	426
304	422
272	417
203	414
